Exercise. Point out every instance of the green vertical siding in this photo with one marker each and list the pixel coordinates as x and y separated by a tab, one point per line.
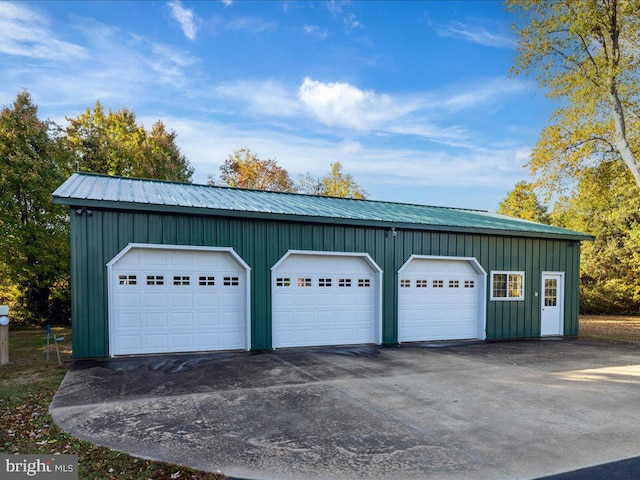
97	238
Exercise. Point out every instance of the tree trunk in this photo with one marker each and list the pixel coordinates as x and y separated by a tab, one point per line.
617	111
620	135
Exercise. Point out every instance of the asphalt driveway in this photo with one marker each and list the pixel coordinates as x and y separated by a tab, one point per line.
512	410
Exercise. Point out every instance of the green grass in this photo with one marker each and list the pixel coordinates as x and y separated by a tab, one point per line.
27	386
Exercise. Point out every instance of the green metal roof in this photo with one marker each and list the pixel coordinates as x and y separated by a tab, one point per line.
101	191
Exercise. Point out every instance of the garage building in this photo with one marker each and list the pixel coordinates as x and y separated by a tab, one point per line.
162	267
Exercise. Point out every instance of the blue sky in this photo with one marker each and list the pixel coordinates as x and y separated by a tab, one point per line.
413	98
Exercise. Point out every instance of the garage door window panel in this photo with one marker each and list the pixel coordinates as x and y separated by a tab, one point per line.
155	279
127	280
507	286
231	281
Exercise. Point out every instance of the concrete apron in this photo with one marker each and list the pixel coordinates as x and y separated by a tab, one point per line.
487	411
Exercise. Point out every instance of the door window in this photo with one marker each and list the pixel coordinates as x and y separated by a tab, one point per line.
550	292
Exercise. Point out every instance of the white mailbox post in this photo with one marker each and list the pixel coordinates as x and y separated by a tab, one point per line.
4	334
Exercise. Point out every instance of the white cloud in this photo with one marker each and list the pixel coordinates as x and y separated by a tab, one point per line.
336	106
491	91
350	147
267	98
336	7
351	22
343	105
252	25
185	17
316	32
119	68
227	3
25	32
483	32
452	136
339	10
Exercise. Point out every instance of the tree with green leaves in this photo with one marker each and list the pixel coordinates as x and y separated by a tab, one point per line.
244	169
34	240
585	54
335	184
114	143
605	204
522	202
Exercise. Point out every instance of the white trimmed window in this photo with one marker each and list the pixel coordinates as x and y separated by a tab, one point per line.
507	285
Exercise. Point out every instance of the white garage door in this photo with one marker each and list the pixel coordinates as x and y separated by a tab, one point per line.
440	299
176	300
325	300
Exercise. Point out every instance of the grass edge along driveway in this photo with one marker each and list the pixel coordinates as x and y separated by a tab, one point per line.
27	386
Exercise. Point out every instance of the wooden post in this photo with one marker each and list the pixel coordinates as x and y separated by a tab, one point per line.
4	344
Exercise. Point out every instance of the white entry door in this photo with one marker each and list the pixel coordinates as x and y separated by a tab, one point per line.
552	319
